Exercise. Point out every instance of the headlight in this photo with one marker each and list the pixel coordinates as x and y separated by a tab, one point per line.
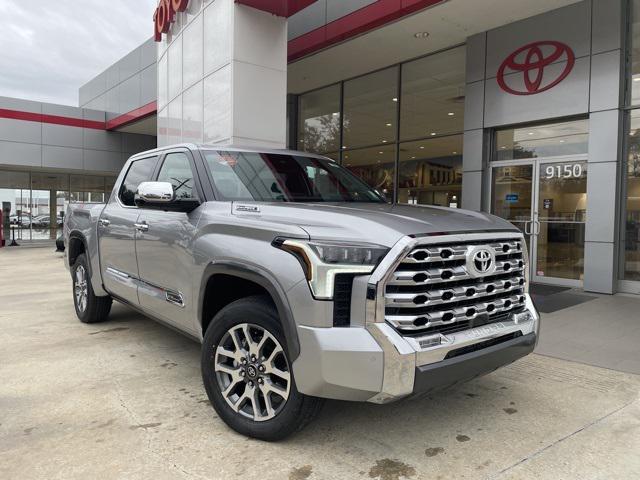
322	261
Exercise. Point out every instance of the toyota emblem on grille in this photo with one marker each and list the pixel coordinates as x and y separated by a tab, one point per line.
481	261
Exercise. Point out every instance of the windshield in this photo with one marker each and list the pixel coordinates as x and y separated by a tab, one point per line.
273	177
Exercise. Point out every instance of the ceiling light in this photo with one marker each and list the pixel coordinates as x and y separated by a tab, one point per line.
395	99
413	157
344	147
421	35
388	124
380	153
503	147
561	141
530	133
422	147
454	153
451	114
336	114
384	141
433	134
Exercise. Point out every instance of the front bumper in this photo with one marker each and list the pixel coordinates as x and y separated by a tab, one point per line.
378	365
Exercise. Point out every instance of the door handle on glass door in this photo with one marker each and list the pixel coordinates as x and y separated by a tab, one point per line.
537	229
526	230
141	227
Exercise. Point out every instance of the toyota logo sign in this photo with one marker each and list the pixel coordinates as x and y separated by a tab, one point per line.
531	61
165	15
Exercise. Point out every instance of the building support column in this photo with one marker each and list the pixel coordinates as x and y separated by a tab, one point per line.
605	125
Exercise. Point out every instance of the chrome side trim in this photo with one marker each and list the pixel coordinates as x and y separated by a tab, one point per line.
171	296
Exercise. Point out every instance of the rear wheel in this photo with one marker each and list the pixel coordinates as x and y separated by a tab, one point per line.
247	372
89	307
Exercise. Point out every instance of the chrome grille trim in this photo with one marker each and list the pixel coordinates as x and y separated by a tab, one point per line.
433	286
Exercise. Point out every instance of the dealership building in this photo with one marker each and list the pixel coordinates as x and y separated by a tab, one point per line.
523	109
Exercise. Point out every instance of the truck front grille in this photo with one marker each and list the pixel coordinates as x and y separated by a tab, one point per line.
433	289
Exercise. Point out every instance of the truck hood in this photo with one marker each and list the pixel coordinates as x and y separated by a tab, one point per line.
382	224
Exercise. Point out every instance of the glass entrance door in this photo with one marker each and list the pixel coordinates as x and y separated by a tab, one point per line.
547	200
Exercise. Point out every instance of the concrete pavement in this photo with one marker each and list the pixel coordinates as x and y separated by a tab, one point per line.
124	399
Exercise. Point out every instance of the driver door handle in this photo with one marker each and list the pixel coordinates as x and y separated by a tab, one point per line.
141	227
103	222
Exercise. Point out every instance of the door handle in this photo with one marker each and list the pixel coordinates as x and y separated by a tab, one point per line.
537	224
103	222
526	230
141	227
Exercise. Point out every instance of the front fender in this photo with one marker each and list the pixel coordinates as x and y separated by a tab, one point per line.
267	281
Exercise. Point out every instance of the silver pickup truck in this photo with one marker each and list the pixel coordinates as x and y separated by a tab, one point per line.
300	281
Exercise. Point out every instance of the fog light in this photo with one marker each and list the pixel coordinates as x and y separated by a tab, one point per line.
522	317
432	341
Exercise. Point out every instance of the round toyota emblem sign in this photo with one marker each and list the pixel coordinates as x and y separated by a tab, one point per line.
531	62
481	261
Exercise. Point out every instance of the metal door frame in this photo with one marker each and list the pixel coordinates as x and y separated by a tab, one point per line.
534	223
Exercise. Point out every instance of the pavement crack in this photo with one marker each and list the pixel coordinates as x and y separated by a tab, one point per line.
560	440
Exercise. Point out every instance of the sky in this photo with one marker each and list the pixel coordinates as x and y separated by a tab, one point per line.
49	48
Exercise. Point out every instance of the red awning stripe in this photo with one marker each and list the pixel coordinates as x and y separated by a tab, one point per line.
52	119
132	116
358	22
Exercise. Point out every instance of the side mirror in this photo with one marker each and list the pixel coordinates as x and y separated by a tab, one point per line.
160	196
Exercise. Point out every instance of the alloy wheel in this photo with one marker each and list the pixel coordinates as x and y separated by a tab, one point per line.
80	288
252	372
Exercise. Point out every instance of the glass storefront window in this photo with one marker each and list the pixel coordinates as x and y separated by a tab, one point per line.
549	140
632	221
433	95
371	109
376	166
430	172
634	86
319	120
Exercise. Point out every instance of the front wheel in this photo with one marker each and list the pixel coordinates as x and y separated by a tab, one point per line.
89	307
247	372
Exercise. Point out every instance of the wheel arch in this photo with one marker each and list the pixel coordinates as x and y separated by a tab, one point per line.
265	282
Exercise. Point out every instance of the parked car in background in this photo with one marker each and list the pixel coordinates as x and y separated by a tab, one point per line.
300	281
23	220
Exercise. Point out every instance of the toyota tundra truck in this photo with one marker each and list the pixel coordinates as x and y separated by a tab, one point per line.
301	282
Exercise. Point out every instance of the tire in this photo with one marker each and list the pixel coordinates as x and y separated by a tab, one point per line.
89	307
234	371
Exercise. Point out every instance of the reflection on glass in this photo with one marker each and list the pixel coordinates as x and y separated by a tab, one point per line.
433	95
370	109
562	207
431	172
632	223
635	54
512	188
38	200
551	140
376	166
319	120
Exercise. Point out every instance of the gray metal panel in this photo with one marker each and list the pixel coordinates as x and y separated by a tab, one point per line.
112	104
307	19
472	191
605	81
61	135
607	25
27	154
475	57
339	8
569	97
102	140
129	94
112	76
570	25
62	157
601	202
20	131
95	115
21	105
474	106
130	64
603	136
148	85
599	267
61	110
102	161
472	150
148	53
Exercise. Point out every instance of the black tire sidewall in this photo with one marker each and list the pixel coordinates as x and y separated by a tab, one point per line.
258	311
